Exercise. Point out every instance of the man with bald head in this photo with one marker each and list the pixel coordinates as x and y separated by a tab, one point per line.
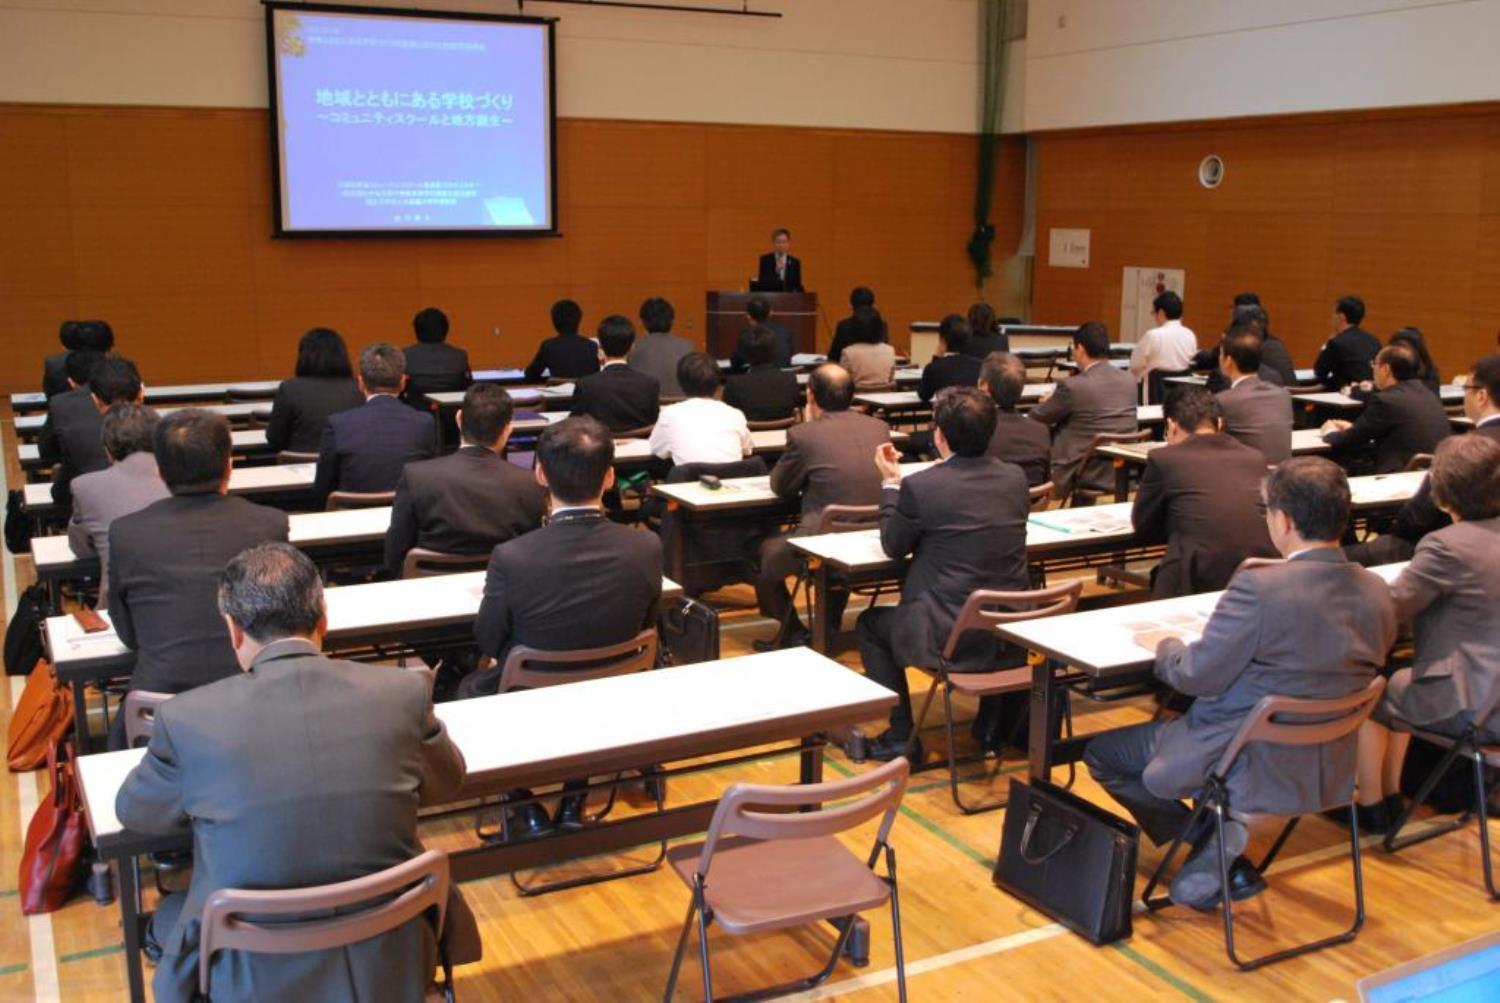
827	462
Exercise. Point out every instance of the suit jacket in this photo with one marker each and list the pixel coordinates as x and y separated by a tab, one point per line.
1259	415
463	503
1346	358
1276	364
870	365
72	440
1099	399
564	356
303	406
830	461
656	355
1025	443
55	374
793	281
981	345
1401	421
1420	515
1315	626
740	361
581	581
963	521
764	393
619	397
1201	498
365	448
433	367
302	771
957	370
102	497
164	570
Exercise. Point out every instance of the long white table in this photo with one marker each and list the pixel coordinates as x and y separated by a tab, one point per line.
1450	394
243	441
24	402
281	478
31	424
909	400
763	441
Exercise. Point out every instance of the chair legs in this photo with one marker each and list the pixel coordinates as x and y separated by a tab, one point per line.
529	890
1463	747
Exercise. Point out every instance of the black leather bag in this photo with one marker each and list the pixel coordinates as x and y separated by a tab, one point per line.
17	524
689	633
1069	859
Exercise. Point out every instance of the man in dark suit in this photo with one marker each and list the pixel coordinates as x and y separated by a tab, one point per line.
758	314
469	501
765	391
1346	357
620	397
164	560
433	365
827	462
1255	412
79	414
1200	495
297	771
55	367
963	522
1311	626
567	355
1276	366
657	353
1017	438
779	271
845	332
1100	398
1403	418
365	448
953	366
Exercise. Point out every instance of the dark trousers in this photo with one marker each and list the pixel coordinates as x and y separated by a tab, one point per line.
1386	549
1117	760
779	560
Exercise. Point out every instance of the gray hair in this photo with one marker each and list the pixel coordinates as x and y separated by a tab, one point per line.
128	428
272	590
381	366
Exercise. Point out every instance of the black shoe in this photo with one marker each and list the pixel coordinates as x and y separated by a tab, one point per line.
1374	819
888	746
797	638
1245	882
1197	884
527	821
569	817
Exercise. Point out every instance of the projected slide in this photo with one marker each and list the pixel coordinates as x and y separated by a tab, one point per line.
397	122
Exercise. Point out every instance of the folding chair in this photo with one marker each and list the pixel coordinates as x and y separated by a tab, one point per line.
766	866
1317	722
1419	461
833	519
342	500
139	710
1041	495
644	432
423	563
1089	494
292	456
772	424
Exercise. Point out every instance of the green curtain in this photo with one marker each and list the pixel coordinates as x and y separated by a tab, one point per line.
992	21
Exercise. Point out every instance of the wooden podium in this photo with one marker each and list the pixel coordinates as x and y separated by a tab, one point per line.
726	319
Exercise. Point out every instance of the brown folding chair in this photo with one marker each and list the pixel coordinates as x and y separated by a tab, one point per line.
139	711
423	563
295	920
1086	494
342	500
766	866
984	611
1308	723
644	432
1041	495
833	519
771	425
259	418
1419	461
292	456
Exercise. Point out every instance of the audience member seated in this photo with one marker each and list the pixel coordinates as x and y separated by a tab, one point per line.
129	484
1401	419
1427	370
953	366
1200	495
984	332
1017	438
297	771
758	314
1099	399
860	297
659	351
700	429
1448	594
73	407
1168	347
870	359
620	397
827	462
1312	626
1276	365
433	365
1346	358
112	379
164	561
963	523
55	367
469	501
323	385
765	391
567	355
365	448
1257	413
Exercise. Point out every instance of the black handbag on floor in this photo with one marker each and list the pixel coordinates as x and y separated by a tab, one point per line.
1069	859
689	633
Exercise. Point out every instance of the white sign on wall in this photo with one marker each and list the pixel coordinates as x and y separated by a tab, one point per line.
1139	288
1069	248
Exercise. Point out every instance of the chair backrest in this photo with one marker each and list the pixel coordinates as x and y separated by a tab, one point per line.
644	432
339	500
1317	721
139	711
1041	495
292	456
848	518
986	608
830	810
1099	441
418	885
751	466
1156	383
769	425
1419	461
423	563
532	668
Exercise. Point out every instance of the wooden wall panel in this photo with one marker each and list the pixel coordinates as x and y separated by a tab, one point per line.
159	220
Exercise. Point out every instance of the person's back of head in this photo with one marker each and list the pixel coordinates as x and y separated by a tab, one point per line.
760	345
1168	304
322	354
1255	315
272	591
566	316
1004	376
861	296
758	309
1401	360
95	335
67	333
80	364
192	450
1245	299
698	374
430	326
616	334
1313	493
966	417
954	330
1412	338
657	316
1093	338
832	387
127	429
869	327
1243	345
981	320
487	410
1351	308
1465	477
576	455
115	380
382	368
1192	409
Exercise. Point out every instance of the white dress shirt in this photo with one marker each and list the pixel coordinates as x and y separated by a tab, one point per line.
701	430
1170	347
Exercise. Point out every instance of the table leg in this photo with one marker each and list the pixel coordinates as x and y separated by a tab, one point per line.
81	718
1043	696
1122	480
676	544
130	920
822	630
812	760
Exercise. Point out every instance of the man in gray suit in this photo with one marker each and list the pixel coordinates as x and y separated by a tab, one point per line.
298	771
827	462
129	484
1255	412
1311	626
1100	398
658	353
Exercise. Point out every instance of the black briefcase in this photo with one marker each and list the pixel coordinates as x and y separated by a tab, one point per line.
689	633
1069	859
